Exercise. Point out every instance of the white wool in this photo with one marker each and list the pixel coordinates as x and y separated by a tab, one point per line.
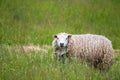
88	47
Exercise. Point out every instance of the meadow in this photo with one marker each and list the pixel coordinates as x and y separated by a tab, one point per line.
26	22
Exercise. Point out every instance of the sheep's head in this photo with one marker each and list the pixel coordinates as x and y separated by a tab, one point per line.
62	39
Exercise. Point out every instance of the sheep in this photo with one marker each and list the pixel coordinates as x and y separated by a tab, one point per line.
94	49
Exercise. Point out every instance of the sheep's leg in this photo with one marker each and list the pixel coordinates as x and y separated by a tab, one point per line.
68	56
55	56
106	68
62	58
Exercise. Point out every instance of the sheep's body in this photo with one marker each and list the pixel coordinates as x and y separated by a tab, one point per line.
95	49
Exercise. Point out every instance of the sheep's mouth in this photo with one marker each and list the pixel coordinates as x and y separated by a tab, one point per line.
61	46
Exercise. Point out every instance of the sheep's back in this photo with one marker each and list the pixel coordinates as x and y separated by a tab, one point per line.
89	45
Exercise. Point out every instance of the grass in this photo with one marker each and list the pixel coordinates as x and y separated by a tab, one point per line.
39	66
24	22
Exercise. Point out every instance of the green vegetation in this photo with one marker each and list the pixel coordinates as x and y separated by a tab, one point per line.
24	22
35	21
39	66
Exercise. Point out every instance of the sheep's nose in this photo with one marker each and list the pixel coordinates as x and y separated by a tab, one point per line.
61	44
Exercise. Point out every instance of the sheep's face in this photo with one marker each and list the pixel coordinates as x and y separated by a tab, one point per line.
62	39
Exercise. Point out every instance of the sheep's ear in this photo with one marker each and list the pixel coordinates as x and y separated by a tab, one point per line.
69	36
55	36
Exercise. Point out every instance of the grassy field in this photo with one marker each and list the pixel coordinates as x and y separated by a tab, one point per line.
40	66
25	22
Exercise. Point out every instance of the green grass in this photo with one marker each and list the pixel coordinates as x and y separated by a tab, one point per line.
39	66
24	22
28	21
